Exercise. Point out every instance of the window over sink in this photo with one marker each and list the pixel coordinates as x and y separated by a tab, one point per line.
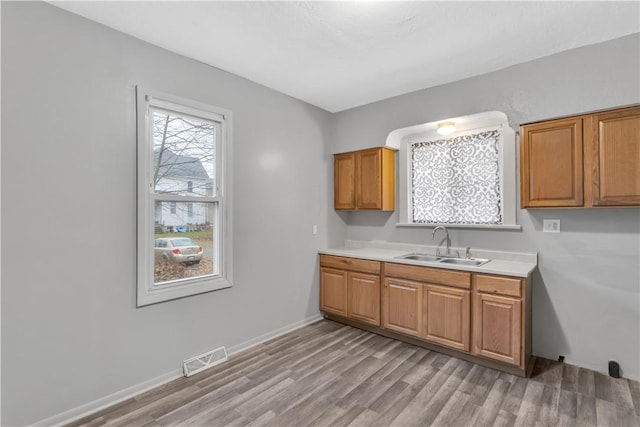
466	179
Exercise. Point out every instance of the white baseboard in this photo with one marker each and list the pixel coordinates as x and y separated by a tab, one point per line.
104	402
122	395
274	334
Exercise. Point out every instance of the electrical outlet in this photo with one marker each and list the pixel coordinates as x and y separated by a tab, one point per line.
314	230
551	225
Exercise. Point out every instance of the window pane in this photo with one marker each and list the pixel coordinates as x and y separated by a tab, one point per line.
184	248
183	154
456	180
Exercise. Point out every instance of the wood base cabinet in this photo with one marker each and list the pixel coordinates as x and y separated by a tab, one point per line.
363	299
429	303
350	288
402	306
447	316
502	319
483	318
585	161
333	291
497	328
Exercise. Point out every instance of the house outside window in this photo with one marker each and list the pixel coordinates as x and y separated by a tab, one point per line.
464	180
183	197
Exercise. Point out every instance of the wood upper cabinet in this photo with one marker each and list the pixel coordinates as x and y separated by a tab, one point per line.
344	172
446	315
350	288
365	180
402	306
584	161
551	164
613	150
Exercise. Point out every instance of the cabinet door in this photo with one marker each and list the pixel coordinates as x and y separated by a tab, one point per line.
364	298
344	174
615	158
498	328
551	164
447	316
402	306
333	291
368	179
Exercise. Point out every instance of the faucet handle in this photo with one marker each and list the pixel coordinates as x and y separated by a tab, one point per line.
468	252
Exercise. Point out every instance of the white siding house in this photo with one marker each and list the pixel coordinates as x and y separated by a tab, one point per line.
182	175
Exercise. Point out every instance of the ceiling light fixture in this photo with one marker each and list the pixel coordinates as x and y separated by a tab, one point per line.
446	128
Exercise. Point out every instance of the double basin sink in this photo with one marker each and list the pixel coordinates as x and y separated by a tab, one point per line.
444	260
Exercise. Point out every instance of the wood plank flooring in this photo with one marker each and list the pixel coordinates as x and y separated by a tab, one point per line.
328	374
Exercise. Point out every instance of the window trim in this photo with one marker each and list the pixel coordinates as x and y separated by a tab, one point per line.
147	293
402	138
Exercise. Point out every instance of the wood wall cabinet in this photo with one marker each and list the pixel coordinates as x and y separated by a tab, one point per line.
583	161
551	164
344	174
350	288
365	180
614	157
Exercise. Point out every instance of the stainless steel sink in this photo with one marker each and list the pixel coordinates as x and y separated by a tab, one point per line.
465	261
440	259
420	257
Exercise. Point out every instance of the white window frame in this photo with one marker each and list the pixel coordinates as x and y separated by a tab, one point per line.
147	292
404	137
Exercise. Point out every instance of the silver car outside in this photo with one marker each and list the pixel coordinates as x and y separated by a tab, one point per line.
177	250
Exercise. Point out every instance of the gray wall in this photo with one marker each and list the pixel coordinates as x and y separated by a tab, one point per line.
70	331
586	292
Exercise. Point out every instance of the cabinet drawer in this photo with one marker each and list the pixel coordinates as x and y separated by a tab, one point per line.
499	285
431	275
353	264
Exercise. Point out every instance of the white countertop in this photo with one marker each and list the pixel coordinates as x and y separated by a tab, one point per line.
516	264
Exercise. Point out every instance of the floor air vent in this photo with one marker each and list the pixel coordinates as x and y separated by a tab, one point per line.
204	361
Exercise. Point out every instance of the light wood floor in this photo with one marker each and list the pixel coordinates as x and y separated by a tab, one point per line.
328	374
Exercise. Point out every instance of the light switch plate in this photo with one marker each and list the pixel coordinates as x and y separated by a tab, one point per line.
551	225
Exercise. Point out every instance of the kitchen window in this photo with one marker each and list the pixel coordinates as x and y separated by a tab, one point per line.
466	179
183	198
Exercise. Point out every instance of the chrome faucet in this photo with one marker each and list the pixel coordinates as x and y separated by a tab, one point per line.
447	240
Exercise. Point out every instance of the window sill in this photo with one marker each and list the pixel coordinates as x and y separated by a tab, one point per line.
195	287
468	226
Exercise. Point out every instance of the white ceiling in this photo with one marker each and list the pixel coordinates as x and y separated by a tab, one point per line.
339	55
